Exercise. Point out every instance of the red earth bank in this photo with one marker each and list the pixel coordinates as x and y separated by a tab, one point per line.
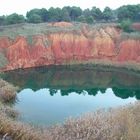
71	46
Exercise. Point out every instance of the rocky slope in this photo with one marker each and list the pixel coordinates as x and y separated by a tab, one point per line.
66	43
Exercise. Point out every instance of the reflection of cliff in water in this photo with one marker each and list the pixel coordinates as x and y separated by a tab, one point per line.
76	79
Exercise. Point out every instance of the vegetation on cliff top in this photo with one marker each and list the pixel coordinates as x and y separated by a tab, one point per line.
29	29
69	14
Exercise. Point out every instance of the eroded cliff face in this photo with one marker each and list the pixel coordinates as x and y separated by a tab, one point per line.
70	46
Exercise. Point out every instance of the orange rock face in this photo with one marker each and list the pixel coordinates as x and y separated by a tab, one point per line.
86	44
130	50
18	54
4	43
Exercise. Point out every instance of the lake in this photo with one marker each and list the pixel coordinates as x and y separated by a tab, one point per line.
50	95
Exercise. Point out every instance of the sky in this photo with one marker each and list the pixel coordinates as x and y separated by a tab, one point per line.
22	6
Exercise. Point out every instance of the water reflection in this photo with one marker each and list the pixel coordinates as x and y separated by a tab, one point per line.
124	84
49	95
39	107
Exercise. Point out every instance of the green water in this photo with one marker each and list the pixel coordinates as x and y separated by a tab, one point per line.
50	95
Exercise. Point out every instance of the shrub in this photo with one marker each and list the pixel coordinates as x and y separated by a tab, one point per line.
7	91
126	25
14	19
34	19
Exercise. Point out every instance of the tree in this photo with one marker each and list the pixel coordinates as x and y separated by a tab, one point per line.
14	19
85	19
107	14
34	18
44	14
41	14
2	20
55	14
96	13
65	15
87	12
90	19
129	11
75	12
126	25
81	19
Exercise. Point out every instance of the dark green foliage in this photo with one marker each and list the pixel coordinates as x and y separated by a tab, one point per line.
65	15
34	18
74	13
107	14
44	14
2	20
87	12
126	25
14	19
96	13
55	14
129	11
81	19
89	19
37	15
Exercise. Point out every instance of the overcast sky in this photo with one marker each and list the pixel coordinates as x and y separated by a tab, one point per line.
22	6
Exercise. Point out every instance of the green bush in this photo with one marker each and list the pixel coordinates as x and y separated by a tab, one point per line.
126	25
14	19
35	19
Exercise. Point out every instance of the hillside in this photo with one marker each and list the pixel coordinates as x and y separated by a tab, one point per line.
33	45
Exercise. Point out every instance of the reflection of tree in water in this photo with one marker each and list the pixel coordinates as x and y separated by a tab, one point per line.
122	93
125	84
92	91
126	93
66	92
52	91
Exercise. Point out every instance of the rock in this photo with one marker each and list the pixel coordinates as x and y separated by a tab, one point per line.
129	50
5	42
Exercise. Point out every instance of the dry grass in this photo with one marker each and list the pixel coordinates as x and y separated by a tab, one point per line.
118	124
115	124
7	91
17	130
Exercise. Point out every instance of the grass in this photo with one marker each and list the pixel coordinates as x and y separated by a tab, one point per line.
7	91
17	130
27	29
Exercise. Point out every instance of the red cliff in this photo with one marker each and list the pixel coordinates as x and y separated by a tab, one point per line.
70	46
